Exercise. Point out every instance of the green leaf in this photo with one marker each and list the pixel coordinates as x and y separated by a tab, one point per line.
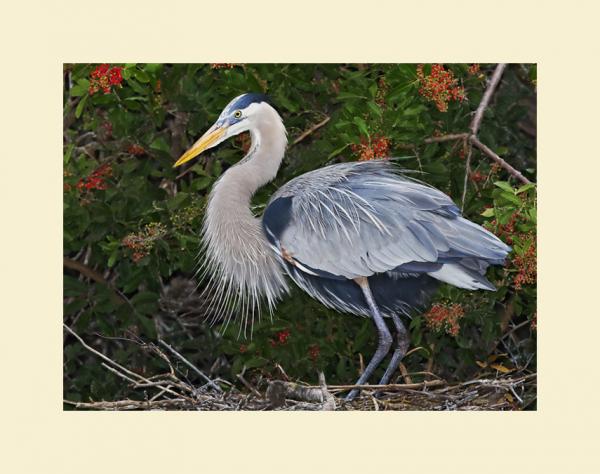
255	362
489	212
505	186
337	151
68	153
375	108
142	76
510	197
177	201
136	86
80	106
362	126
348	95
199	170
416	110
202	183
525	187
533	214
113	258
160	144
373	89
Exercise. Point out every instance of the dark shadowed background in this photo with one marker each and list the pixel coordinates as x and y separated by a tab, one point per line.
131	221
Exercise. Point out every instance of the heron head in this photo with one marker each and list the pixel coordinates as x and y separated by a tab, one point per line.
240	115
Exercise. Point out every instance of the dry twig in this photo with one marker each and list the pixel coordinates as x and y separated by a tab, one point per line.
191	366
310	131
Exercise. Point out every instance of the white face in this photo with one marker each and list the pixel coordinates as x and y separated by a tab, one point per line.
237	121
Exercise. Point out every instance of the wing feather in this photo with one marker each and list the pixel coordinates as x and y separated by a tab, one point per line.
360	219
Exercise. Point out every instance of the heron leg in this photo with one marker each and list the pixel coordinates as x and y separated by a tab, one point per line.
384	337
402	341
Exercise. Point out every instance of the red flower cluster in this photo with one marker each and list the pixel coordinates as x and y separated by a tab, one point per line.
280	338
96	180
440	86
377	147
141	243
474	69
136	150
526	265
104	77
313	352
445	317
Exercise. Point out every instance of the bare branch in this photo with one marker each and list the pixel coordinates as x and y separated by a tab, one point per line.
488	151
485	100
471	137
248	385
311	130
467	173
117	365
446	138
191	366
95	276
391	386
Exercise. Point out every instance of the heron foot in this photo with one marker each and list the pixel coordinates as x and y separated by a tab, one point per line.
402	342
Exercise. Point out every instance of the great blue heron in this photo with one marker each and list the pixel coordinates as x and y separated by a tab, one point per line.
358	237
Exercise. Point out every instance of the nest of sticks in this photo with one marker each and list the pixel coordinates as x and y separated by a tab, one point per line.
172	390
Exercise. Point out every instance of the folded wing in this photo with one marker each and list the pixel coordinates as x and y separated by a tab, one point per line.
359	219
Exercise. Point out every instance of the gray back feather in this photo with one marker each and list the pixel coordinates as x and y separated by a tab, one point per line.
362	218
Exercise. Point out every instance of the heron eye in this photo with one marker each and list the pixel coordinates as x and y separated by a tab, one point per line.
237	114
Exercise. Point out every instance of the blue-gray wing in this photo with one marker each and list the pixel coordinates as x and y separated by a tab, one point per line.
358	219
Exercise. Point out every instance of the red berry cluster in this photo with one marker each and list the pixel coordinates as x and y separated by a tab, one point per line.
243	348
222	65
141	243
96	180
313	352
477	176
506	232
440	86
382	90
445	317
526	266
104	77
136	150
376	147
280	338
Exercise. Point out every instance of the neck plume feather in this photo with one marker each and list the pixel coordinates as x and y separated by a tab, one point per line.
244	271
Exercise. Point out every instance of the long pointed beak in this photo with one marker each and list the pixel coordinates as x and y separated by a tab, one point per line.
212	135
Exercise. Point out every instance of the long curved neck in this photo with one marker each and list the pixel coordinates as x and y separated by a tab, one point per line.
231	195
258	167
236	247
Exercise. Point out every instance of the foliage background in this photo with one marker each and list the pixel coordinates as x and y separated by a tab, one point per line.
131	221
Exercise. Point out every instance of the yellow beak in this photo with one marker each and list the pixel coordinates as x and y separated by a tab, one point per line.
204	142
